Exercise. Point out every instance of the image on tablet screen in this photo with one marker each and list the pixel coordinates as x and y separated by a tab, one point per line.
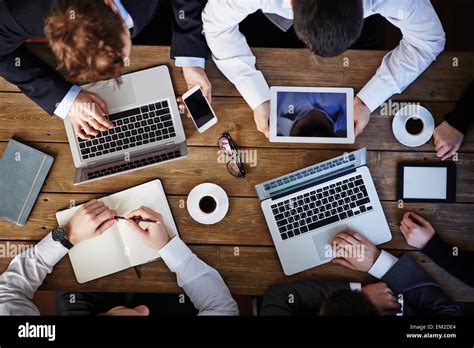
305	114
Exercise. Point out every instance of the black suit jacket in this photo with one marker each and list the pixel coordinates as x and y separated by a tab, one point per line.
421	293
22	19
306	300
458	264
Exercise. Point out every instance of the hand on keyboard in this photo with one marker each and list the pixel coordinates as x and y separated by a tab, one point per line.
354	251
87	115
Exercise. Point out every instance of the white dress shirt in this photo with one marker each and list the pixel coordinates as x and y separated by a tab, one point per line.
27	271
63	108
381	266
423	40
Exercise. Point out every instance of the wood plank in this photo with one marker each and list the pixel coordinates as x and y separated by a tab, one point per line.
246	270
299	67
20	117
245	224
202	165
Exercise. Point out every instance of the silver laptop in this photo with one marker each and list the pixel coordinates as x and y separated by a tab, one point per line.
305	209
148	129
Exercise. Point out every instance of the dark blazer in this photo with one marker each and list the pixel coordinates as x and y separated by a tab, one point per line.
462	117
421	293
22	19
459	264
307	297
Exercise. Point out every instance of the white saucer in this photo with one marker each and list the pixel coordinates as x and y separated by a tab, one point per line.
207	189
399	129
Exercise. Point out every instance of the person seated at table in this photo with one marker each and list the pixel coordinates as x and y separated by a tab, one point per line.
91	40
449	135
27	271
328	28
313	297
403	275
399	276
311	115
419	233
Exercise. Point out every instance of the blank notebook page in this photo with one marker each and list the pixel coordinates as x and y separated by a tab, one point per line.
119	247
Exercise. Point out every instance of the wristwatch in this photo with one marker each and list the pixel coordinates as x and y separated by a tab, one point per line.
59	235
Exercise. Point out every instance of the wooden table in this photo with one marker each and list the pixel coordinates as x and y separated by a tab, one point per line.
240	246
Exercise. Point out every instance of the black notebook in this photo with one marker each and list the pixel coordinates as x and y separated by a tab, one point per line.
23	171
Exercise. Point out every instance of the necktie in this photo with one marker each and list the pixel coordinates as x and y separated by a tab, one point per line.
281	22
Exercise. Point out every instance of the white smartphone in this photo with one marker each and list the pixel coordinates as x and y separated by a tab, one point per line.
199	108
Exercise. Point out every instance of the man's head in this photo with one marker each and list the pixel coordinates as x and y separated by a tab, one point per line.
328	27
346	303
89	38
313	124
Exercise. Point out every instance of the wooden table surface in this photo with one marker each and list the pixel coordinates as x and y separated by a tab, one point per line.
240	246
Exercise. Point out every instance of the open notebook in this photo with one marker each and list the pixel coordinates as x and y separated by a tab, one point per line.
119	247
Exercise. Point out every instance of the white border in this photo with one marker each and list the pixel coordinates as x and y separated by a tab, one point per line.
350	139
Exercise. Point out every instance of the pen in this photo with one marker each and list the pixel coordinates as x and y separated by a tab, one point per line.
136	219
137	271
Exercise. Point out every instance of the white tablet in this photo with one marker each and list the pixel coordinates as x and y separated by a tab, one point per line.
312	115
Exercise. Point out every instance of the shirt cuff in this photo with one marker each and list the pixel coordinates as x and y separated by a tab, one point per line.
175	253
375	93
65	105
190	61
383	264
356	286
50	251
254	90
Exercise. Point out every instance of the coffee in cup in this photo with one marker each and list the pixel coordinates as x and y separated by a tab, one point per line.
207	204
414	125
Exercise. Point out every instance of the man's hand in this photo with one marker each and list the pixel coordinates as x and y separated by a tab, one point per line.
261	116
90	220
416	230
154	234
87	115
447	140
196	76
361	115
382	297
354	251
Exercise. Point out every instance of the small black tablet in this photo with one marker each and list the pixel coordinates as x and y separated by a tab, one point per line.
426	182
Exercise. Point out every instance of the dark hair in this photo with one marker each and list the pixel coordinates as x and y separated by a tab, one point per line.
85	36
313	124
347	302
328	27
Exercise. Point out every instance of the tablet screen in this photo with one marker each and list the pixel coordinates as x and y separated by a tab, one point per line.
425	182
312	114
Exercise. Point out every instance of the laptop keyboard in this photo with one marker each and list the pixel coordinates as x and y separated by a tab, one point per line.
133	164
300	175
321	207
135	127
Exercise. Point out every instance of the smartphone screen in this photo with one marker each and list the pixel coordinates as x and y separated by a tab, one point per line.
199	108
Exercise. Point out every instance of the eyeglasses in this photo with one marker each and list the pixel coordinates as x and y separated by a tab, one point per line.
234	165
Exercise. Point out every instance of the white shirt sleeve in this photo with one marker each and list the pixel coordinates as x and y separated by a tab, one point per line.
25	274
423	40
355	286
230	50
65	105
190	61
383	264
202	283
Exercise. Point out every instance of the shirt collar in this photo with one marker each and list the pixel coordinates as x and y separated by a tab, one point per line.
124	14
